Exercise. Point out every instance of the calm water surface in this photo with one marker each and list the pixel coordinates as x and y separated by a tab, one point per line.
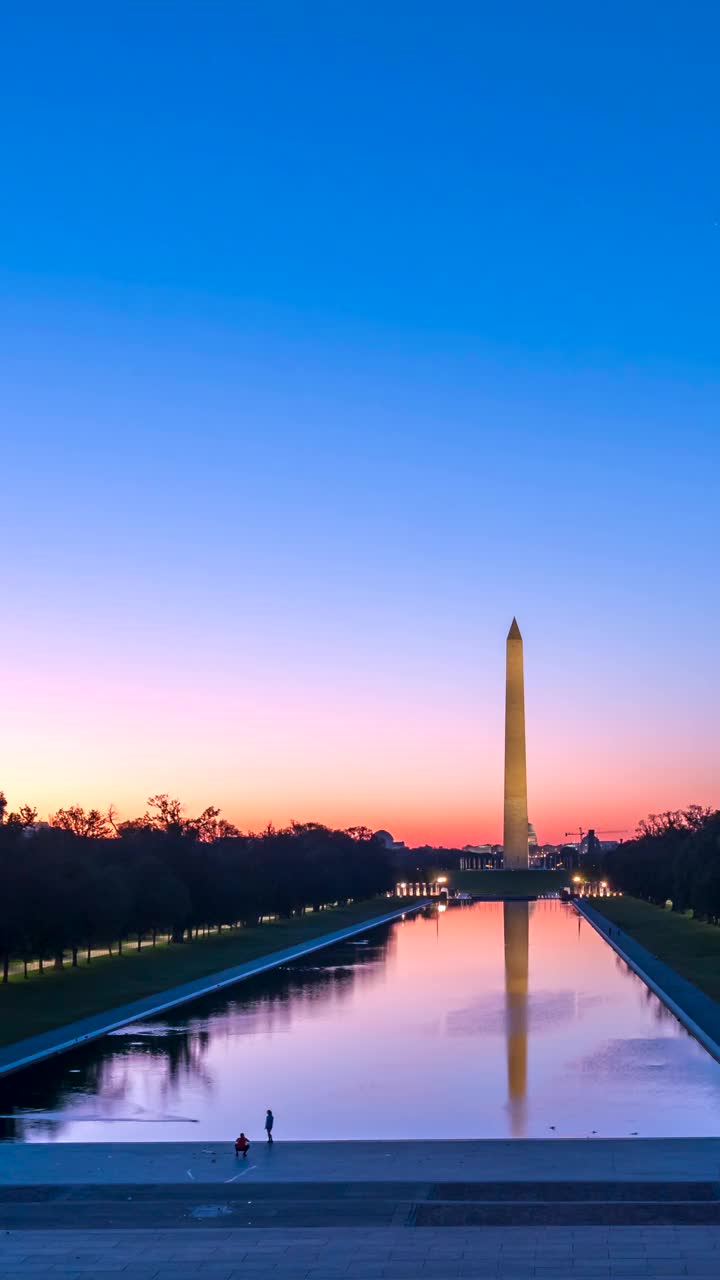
491	1020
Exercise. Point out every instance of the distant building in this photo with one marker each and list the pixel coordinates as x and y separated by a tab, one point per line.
385	838
34	827
545	857
476	857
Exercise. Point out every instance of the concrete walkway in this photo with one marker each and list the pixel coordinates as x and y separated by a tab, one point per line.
696	1011
512	1160
23	1053
341	1211
364	1253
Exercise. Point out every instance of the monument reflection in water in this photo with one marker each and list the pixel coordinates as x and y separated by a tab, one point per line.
488	1020
516	930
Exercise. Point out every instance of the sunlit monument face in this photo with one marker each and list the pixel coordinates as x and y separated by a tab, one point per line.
515	839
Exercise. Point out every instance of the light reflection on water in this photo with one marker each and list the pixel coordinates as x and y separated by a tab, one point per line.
492	1020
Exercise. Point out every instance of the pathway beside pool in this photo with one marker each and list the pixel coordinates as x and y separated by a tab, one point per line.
682	1159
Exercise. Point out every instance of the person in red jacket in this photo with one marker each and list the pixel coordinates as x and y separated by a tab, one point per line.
241	1145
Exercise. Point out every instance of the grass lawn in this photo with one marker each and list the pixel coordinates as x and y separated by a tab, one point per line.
508	884
691	948
52	999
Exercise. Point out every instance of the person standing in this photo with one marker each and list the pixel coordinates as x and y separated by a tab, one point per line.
269	1122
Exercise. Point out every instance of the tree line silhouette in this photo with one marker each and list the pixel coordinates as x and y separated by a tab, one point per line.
83	880
674	857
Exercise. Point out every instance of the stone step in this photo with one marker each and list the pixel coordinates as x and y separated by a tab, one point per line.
515	1192
589	1191
413	1204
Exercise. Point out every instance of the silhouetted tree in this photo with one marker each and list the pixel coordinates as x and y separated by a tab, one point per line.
675	856
86	881
94	825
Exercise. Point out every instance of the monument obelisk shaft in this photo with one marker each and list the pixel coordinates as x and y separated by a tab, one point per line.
515	839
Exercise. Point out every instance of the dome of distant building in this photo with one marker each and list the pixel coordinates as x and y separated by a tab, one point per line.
385	838
532	835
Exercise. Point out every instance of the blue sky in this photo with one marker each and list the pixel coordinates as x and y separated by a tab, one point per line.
332	336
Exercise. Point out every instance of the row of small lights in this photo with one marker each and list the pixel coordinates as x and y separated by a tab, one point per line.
443	880
440	880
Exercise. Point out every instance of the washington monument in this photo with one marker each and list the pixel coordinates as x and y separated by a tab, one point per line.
515	839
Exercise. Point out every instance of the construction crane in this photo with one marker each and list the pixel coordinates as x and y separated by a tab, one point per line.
608	831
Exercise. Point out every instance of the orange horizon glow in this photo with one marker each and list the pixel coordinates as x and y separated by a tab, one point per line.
272	741
424	829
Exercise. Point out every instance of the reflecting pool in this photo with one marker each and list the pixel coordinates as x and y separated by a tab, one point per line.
488	1020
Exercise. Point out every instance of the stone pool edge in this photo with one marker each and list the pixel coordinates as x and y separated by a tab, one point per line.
34	1049
368	1161
677	993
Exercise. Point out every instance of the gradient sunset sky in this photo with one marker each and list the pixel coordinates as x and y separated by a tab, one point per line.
333	335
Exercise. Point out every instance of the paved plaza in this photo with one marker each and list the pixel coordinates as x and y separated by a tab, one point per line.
618	1253
322	1211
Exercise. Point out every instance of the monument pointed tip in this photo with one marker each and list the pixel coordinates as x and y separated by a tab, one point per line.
514	632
